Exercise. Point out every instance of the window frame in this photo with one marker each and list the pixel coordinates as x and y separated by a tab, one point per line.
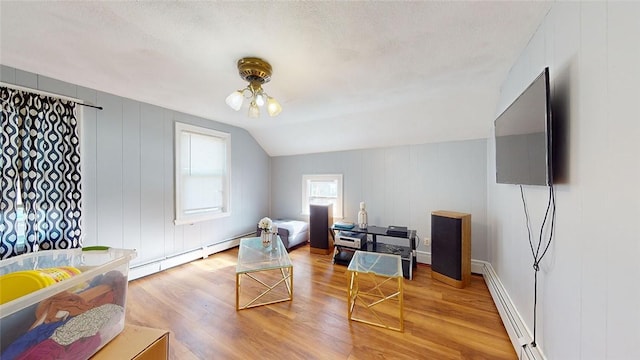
306	180
180	217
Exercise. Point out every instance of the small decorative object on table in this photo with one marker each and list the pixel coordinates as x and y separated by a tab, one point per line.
265	224
362	216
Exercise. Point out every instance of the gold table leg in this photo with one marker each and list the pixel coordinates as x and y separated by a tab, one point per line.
287	279
353	294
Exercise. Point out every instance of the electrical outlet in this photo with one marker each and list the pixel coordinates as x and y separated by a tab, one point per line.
426	241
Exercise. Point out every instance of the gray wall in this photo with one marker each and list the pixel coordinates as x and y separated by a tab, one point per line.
588	283
128	184
400	185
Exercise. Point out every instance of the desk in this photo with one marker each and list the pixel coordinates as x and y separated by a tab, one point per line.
385	284
255	259
343	255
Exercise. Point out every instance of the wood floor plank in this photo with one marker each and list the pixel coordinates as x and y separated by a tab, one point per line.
196	302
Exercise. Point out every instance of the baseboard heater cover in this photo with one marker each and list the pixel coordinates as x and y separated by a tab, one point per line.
516	329
151	267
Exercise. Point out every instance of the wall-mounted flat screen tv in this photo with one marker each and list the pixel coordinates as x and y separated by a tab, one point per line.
523	137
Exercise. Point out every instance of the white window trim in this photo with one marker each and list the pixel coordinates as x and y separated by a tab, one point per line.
337	212
181	219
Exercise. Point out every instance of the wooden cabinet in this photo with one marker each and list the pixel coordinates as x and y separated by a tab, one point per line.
136	343
320	222
451	247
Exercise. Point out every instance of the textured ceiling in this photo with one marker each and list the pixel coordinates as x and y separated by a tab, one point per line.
348	74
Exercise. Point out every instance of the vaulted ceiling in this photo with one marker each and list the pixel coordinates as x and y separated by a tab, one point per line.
348	75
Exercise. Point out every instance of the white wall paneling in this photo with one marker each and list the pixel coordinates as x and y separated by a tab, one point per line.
152	196
623	203
109	186
373	187
593	57
172	243
131	150
31	80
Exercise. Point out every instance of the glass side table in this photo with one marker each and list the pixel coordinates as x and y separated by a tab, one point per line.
375	290
271	270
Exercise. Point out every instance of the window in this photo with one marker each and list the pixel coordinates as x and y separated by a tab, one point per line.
203	163
322	190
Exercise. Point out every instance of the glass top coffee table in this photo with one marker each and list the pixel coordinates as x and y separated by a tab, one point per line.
270	270
375	290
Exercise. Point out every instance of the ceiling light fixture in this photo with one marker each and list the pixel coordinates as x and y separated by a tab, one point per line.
257	72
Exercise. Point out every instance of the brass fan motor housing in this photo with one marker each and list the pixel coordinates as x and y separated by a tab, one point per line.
254	70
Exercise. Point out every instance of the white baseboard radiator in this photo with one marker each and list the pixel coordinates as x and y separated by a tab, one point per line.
151	267
518	332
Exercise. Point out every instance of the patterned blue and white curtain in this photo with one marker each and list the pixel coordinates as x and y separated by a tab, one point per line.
10	124
41	163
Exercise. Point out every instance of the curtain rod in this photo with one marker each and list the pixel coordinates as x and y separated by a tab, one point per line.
46	93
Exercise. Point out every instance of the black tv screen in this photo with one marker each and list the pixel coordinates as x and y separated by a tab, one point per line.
523	137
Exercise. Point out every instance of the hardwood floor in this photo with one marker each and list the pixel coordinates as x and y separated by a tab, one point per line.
196	302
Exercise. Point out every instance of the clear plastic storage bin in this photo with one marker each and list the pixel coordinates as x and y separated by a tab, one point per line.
69	318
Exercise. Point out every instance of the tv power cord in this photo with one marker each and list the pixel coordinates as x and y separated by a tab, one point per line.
537	256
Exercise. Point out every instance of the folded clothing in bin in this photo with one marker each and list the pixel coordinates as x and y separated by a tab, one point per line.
73	318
